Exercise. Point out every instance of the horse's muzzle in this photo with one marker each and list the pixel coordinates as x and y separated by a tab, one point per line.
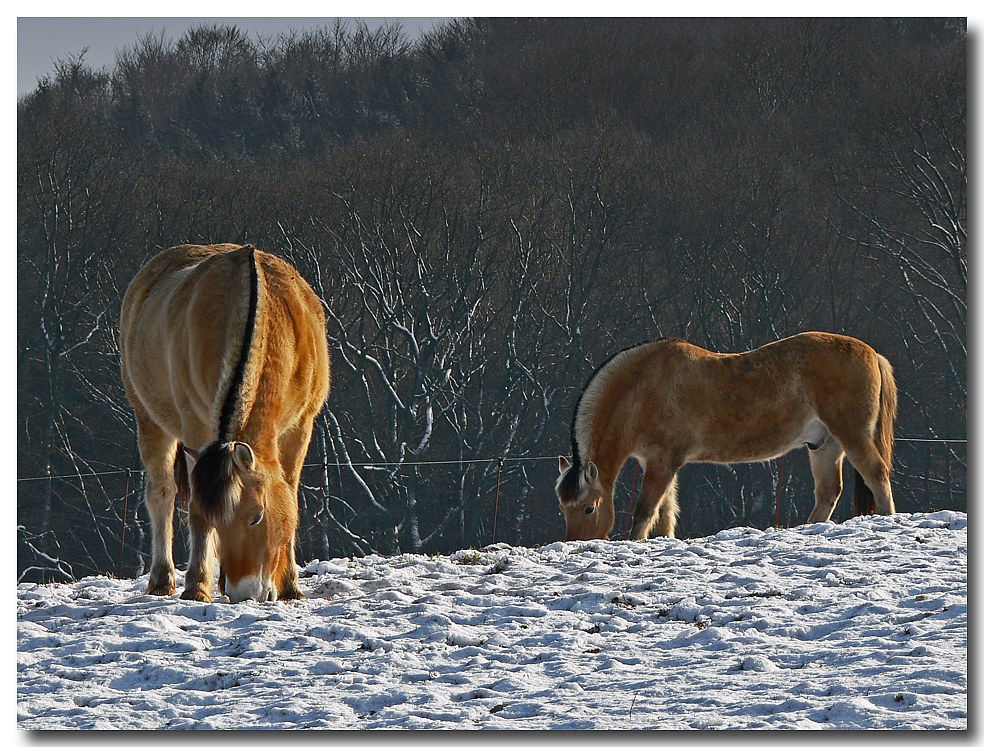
251	588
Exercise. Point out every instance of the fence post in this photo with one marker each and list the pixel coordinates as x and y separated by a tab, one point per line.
495	515
126	504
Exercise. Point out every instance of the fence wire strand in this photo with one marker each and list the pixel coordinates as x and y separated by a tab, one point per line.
425	463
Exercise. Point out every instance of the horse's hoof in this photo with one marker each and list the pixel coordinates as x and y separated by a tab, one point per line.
161	591
161	588
196	595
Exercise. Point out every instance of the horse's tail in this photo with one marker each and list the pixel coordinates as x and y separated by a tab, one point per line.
181	476
864	499
885	427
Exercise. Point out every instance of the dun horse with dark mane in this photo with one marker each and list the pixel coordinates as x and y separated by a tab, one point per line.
668	403
225	361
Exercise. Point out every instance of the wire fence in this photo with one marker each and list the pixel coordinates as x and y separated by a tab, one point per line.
513	502
337	464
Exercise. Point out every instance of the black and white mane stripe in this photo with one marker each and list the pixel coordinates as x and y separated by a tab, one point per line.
576	458
233	393
213	480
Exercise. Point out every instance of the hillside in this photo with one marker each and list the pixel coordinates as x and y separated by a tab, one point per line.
487	213
861	625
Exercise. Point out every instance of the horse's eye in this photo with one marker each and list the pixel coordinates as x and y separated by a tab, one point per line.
256	519
588	510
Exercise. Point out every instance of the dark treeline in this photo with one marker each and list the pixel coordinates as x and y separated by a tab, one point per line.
487	213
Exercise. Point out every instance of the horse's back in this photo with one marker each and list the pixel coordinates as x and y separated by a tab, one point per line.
299	346
807	356
822	346
748	406
168	353
188	314
157	300
828	364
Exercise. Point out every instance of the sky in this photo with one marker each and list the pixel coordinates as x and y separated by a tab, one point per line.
43	41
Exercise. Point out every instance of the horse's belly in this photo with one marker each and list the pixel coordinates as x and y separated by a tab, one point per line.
760	443
733	455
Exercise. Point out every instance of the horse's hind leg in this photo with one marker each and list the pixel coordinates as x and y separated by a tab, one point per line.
874	471
293	449
158	450
657	504
826	464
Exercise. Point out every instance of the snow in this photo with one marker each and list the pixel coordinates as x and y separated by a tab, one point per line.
860	625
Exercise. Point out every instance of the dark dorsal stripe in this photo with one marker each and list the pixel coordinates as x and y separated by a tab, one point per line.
236	383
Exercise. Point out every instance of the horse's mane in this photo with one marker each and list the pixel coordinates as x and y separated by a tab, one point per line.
213	479
214	483
233	393
592	396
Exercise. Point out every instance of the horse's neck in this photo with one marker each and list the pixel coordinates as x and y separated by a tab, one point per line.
260	432
606	426
608	449
608	458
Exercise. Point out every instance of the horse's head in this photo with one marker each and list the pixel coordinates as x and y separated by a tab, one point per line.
589	509
249	504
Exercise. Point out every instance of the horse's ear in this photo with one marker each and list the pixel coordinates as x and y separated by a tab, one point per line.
591	474
564	464
243	457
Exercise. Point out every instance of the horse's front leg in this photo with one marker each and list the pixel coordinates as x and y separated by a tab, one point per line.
657	504
293	448
157	450
288	583
199	579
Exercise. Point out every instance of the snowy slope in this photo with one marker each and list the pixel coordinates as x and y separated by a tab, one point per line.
854	625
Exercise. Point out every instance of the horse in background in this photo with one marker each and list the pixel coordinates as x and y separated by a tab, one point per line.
224	359
668	403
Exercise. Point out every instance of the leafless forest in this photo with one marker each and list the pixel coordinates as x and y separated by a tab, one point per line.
487	213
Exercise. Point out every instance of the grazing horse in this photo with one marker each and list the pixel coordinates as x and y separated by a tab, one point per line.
668	403
225	362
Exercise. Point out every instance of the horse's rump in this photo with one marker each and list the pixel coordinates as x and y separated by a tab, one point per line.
191	312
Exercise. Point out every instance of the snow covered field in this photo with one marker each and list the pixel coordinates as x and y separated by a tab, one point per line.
861	625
